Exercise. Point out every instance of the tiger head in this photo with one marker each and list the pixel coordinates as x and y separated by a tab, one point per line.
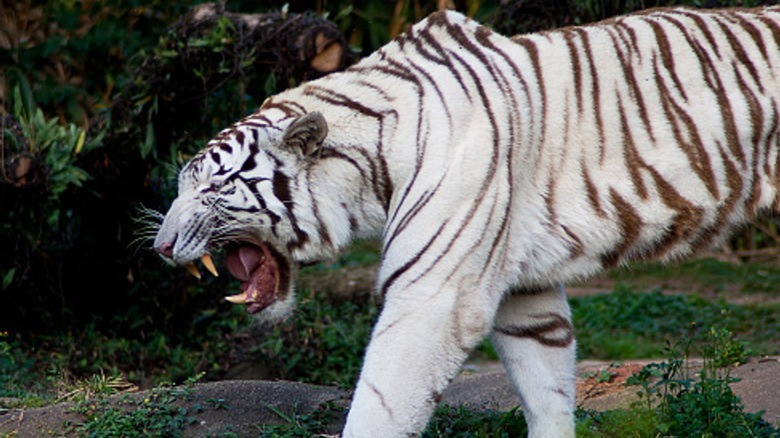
237	194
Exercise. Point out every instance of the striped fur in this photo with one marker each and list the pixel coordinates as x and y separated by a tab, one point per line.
494	170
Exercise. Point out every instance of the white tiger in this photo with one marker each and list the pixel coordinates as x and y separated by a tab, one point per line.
494	170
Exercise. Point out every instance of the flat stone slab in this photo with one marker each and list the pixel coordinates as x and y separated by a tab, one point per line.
235	406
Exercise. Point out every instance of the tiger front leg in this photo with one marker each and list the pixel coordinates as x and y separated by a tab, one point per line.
418	346
534	337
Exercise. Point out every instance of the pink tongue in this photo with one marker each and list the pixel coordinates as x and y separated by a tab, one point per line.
243	261
259	273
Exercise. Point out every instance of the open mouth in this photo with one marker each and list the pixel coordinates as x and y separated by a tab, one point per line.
262	276
263	272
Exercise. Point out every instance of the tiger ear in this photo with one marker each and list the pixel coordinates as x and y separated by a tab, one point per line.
306	134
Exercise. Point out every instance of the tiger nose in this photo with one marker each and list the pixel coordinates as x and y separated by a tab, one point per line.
166	249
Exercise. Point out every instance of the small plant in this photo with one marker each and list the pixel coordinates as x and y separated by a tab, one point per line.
703	405
724	350
601	376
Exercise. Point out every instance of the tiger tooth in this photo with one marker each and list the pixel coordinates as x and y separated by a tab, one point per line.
192	269
238	298
209	264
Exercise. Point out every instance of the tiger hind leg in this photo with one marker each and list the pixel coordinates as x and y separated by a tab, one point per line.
534	338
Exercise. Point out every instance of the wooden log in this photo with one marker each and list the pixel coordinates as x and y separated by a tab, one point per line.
303	45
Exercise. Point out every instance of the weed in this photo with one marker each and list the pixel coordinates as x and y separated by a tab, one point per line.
703	405
724	350
94	386
317	423
601	376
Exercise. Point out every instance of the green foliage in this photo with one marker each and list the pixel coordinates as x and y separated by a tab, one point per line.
40	175
157	415
7	365
323	344
673	402
447	422
628	324
359	253
676	400
73	55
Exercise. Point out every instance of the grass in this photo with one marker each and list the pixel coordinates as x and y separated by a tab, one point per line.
706	273
629	324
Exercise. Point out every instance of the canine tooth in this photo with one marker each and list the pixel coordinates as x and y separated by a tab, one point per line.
192	269
209	264
238	298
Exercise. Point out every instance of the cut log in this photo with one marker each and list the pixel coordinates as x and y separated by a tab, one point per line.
304	45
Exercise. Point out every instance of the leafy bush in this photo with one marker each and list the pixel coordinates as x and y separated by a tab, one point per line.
39	171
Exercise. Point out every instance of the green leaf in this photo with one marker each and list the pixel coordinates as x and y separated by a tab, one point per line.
80	142
270	84
148	144
168	53
8	278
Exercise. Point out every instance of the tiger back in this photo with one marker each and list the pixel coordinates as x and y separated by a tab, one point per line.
494	170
